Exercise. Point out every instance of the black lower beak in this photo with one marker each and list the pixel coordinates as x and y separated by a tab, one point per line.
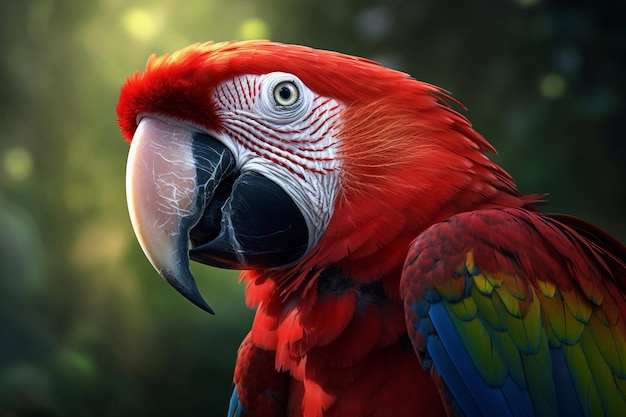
260	227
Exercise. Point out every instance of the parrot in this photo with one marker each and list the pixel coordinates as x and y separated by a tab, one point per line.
394	268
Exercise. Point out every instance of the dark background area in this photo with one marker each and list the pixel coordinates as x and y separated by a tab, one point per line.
87	328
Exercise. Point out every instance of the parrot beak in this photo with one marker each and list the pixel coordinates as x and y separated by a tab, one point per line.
187	200
167	194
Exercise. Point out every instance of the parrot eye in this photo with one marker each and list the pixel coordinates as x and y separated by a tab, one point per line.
284	98
286	93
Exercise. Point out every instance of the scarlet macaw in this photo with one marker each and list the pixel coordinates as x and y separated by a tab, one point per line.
395	269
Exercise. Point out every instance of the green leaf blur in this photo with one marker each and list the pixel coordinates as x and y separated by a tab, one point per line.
87	328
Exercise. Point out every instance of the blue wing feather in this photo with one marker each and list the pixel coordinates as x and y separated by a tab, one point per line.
566	394
518	399
464	400
234	407
468	387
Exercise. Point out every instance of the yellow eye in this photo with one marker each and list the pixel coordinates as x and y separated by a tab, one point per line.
286	93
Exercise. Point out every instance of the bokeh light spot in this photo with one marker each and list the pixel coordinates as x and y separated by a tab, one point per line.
100	243
18	163
254	28
77	362
552	86
141	24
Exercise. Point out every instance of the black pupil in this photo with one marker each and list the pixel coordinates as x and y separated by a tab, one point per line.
285	93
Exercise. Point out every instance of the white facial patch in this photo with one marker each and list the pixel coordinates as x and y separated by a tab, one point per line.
276	126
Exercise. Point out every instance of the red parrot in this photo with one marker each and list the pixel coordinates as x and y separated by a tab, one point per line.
394	268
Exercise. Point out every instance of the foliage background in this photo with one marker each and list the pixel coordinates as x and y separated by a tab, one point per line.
87	327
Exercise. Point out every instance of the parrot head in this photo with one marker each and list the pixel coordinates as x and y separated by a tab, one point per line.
282	159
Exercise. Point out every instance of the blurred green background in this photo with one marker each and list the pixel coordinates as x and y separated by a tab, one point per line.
87	328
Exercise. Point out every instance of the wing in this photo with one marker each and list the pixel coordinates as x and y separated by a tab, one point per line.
516	313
